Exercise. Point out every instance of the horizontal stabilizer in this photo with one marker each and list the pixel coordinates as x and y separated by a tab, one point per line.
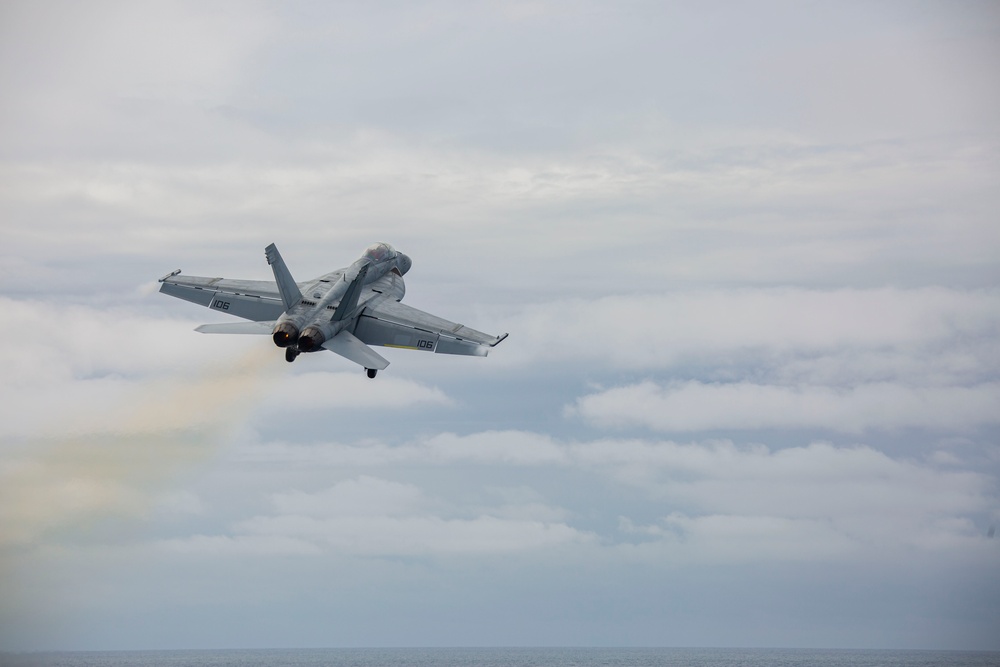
264	328
348	346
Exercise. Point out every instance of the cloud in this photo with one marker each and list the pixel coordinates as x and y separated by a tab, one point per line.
777	221
377	517
738	539
824	501
79	96
230	547
698	406
718	327
493	447
417	535
487	448
364	496
53	338
180	502
87	364
103	406
338	391
834	502
111	461
768	210
95	360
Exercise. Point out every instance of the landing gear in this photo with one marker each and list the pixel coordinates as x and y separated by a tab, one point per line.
290	354
371	372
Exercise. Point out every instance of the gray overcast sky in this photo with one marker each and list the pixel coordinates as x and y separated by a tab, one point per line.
748	255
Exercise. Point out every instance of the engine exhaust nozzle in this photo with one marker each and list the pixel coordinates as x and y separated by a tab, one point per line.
285	334
311	339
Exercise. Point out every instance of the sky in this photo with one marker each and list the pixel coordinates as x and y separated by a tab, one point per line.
748	256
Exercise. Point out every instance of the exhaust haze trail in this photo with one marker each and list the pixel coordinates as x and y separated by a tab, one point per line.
113	463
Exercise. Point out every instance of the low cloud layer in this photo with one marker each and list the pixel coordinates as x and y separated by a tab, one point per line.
376	517
864	501
747	258
697	406
767	326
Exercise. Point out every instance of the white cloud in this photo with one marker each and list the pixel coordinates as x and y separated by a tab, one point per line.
766	325
373	516
180	501
513	448
617	186
833	502
830	501
492	447
95	367
738	539
321	391
364	496
230	547
698	406
51	339
417	535
110	67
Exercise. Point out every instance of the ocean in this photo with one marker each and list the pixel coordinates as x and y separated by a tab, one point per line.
507	657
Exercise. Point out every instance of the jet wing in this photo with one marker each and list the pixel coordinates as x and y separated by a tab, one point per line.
392	324
256	300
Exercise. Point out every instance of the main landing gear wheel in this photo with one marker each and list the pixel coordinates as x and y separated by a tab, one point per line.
371	372
290	354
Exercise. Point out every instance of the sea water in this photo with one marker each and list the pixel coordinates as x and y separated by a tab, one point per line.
507	657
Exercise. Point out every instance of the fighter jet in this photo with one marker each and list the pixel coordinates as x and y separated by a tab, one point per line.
343	311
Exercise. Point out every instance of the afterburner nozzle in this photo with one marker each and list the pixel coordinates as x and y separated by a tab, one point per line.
311	339
285	334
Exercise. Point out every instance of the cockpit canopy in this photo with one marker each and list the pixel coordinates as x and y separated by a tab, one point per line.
379	252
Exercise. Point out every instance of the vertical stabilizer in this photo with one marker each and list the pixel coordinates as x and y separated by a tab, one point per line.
290	294
349	301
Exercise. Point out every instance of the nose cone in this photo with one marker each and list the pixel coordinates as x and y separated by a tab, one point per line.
404	263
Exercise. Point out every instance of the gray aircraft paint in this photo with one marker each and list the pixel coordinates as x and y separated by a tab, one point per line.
350	309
